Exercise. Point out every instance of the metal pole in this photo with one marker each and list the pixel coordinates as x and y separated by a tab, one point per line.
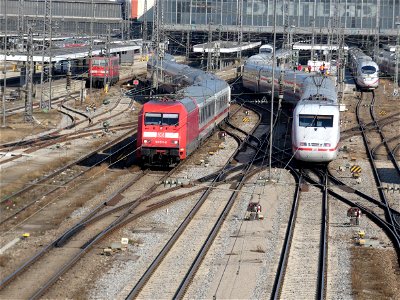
29	78
209	43
272	93
50	52
91	49
5	65
313	38
396	71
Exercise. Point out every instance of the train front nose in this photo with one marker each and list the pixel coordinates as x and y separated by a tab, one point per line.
315	151
315	155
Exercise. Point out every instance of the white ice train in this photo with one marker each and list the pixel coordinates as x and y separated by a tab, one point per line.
364	69
315	127
386	61
266	49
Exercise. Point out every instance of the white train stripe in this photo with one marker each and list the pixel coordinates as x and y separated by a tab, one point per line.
172	135
168	135
149	134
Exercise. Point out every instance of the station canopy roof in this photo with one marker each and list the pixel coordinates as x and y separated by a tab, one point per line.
73	53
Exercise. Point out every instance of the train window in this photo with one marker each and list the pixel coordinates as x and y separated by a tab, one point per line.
368	70
152	119
315	121
170	119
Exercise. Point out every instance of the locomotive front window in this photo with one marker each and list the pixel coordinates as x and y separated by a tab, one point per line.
152	119
368	70
315	121
99	62
170	119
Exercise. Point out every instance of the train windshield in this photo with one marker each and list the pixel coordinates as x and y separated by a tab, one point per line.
315	121
265	49
161	119
368	70
170	119
99	62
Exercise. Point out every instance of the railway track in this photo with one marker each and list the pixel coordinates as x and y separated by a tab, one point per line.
213	206
40	192
378	218
118	221
373	161
302	267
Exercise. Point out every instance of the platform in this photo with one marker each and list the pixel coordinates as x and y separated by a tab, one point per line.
74	53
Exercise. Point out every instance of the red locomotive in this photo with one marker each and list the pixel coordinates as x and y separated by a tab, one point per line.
103	70
170	130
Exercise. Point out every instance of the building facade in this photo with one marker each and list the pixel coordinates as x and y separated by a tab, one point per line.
365	17
68	16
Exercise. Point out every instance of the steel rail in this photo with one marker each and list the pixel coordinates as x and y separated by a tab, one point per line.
386	226
324	240
120	221
287	240
58	171
397	137
376	174
40	253
168	246
383	138
207	244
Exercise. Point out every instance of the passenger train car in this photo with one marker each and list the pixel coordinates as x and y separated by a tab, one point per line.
171	128
387	62
364	69
315	127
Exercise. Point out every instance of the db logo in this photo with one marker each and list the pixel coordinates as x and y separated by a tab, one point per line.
161	134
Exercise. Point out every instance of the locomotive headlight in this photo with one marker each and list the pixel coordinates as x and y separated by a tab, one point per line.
175	142
327	144
146	141
303	144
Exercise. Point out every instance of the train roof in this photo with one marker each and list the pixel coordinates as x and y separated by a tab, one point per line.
316	108
319	89
201	92
266	58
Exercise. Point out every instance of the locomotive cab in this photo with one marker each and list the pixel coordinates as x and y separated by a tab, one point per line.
161	134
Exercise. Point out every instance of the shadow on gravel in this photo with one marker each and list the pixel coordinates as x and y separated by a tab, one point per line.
119	156
389	175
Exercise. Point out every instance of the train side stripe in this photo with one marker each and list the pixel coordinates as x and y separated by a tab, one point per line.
316	149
